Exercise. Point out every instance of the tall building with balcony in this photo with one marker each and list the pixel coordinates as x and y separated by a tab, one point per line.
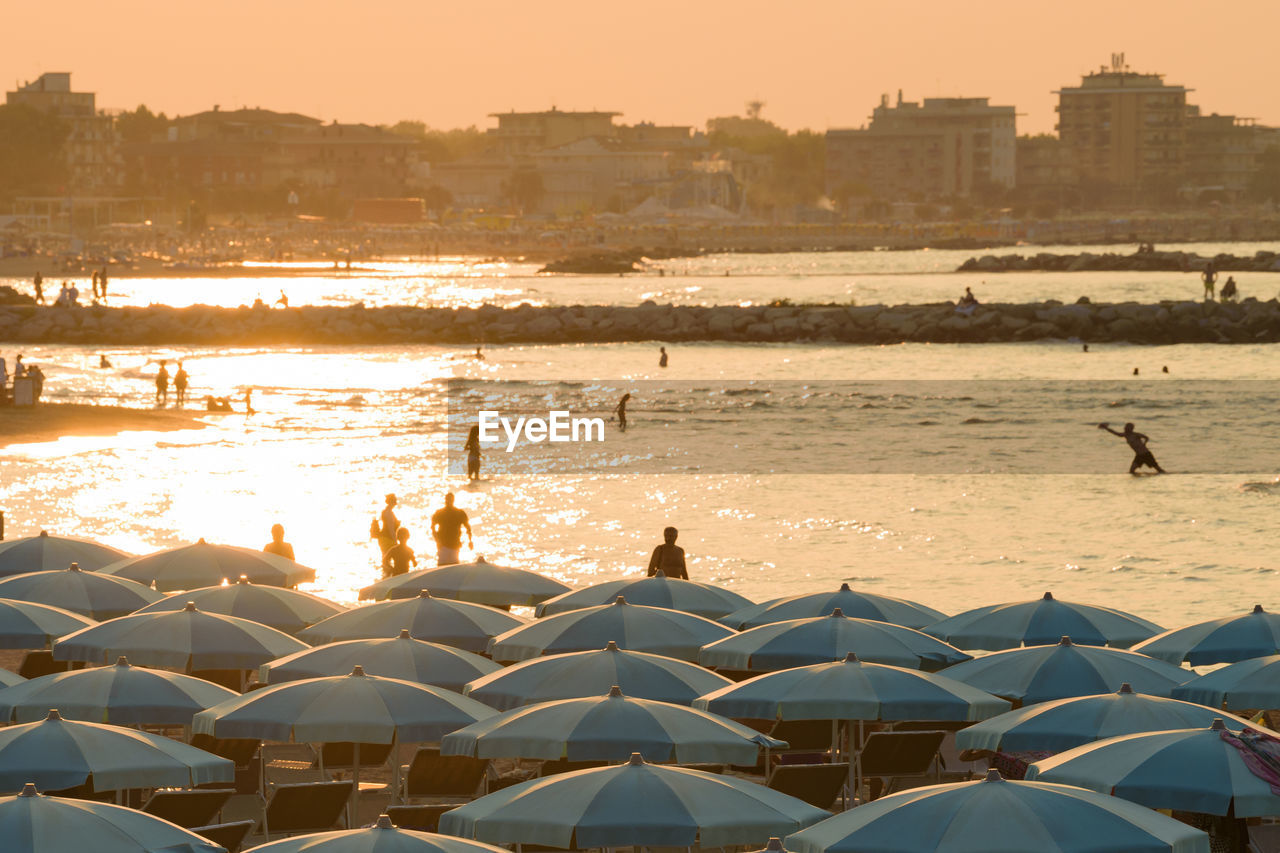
1223	154
518	134
91	149
1124	127
943	147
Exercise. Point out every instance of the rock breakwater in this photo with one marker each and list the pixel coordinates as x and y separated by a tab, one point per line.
1138	262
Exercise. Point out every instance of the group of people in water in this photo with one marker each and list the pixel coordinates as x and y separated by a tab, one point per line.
69	295
447	524
180	380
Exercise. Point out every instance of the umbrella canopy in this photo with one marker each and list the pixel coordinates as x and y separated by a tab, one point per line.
1040	622
122	695
200	565
633	804
1195	770
286	610
1234	638
355	707
702	599
1067	723
478	582
382	837
402	657
998	816
47	553
822	639
1061	671
1249	684
90	594
33	823
859	605
610	728
582	674
186	639
27	625
631	626
439	620
9	678
56	753
852	690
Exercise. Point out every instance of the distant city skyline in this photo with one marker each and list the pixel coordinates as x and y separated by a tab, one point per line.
816	64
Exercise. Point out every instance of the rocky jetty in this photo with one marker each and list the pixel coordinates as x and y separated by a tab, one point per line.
10	296
1136	262
1249	321
595	263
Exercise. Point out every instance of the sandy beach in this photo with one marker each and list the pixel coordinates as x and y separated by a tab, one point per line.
51	421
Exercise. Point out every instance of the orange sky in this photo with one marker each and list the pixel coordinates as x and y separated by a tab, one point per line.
816	63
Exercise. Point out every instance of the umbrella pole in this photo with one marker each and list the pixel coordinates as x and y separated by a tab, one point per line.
353	805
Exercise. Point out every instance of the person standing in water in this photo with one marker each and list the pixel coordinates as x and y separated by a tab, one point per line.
277	545
662	359
668	557
397	559
473	453
180	382
479	355
621	411
1138	442
386	535
162	384
39	282
446	529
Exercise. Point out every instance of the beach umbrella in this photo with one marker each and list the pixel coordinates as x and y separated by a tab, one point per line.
702	599
91	594
1067	723
631	626
610	728
852	690
8	678
859	605
27	625
581	674
34	823
438	620
1196	770
822	639
382	837
1040	622
402	657
995	815
286	610
122	695
47	553
631	805
56	754
1227	640
200	565
478	582
187	639
1246	685
1043	673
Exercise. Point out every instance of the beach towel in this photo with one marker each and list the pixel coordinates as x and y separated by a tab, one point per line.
1261	754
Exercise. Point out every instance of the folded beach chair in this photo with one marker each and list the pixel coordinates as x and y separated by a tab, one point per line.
188	807
228	835
432	775
305	807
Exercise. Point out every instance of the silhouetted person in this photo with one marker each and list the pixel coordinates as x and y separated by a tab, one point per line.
248	401
1138	442
162	384
180	382
1229	290
1135	371
446	529
1164	369
102	283
95	284
621	411
968	298
19	369
479	355
386	535
277	545
1084	348
283	301
473	453
397	558
668	557
39	283
104	363
1209	276
662	359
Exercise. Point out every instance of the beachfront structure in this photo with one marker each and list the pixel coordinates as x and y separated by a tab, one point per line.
1125	128
354	159
943	147
91	150
1223	154
525	133
597	174
1044	173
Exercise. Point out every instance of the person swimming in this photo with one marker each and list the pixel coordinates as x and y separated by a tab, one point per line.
1138	442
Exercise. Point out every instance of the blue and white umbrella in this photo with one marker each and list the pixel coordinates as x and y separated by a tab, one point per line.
1067	723
200	565
632	805
610	728
1226	640
1040	622
631	626
578	675
1245	685
34	823
822	639
91	594
48	553
1061	671
382	837
27	625
478	582
402	657
1194	770
437	620
700	599
857	605
287	610
999	816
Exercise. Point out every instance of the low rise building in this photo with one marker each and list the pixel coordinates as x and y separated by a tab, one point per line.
92	148
518	134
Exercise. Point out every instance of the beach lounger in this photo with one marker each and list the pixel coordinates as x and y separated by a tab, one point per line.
817	784
228	835
1265	838
40	662
423	818
305	807
340	755
243	752
188	807
561	765
432	775
891	756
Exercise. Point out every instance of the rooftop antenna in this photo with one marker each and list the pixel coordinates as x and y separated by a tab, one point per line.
754	107
1117	62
